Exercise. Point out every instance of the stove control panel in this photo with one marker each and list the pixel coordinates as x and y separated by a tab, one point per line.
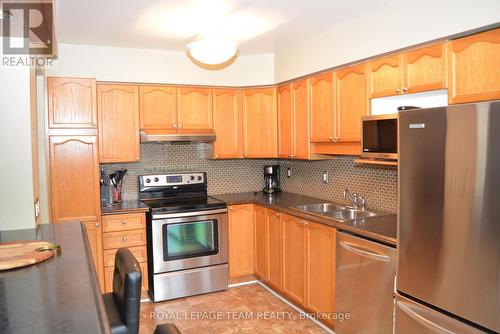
172	179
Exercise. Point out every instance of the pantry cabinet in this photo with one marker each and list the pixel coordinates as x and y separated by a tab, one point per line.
261	243
241	240
94	237
321	97
260	123
227	122
118	109
71	103
350	103
285	124
194	108
158	107
474	69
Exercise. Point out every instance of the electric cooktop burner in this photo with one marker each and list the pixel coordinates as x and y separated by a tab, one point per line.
184	204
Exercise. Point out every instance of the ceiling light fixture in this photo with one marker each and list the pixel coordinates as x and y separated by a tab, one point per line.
212	51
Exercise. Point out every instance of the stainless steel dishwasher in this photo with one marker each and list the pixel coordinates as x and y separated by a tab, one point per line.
364	285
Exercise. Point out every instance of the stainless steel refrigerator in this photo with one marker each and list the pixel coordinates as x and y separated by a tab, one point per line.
448	272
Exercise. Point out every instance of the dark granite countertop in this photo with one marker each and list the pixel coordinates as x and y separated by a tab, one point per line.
59	295
380	228
123	207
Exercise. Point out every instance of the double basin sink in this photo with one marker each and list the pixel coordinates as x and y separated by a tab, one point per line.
336	211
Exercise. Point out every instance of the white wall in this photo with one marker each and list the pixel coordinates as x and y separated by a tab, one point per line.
155	66
16	173
395	25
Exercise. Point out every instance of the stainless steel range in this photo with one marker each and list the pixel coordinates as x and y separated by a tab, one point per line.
187	236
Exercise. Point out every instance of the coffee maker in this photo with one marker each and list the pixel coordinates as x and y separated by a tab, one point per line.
271	179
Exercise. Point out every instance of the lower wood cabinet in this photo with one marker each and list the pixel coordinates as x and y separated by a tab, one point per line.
261	243
275	253
294	258
94	236
241	240
108	275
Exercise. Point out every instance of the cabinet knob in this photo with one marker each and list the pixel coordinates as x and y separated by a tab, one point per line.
180	126
124	239
124	222
216	156
278	214
335	139
331	138
97	224
174	126
405	89
230	208
397	90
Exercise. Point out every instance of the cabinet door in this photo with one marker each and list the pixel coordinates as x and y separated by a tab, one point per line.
194	108
350	103
227	119
158	107
275	251
241	240
285	116
301	147
71	103
294	258
385	76
320	268
321	96
94	236
474	69
74	178
424	69
260	118
261	243
118	107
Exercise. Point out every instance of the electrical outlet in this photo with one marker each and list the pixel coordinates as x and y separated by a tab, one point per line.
288	172
326	177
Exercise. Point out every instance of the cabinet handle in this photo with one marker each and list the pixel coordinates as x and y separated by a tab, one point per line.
331	138
124	239
335	139
97	224
180	126
174	126
216	156
278	214
124	222
230	208
405	89
397	90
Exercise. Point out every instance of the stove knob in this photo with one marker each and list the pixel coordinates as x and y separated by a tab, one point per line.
148	180
157	179
191	177
199	178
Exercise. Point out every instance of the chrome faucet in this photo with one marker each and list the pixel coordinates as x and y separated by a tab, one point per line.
358	201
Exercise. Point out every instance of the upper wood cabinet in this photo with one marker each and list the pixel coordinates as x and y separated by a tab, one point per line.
385	76
118	109
350	103
261	243
474	67
301	138
321	99
424	69
260	123
158	107
74	178
94	236
294	258
227	123
71	103
241	240
194	108
285	123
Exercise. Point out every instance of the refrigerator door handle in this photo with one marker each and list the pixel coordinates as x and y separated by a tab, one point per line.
412	311
375	256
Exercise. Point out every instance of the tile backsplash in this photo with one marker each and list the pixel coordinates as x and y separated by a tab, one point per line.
379	184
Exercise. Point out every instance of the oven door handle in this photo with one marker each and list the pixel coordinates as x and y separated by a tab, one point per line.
189	214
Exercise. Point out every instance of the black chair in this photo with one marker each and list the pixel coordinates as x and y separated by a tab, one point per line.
123	304
167	329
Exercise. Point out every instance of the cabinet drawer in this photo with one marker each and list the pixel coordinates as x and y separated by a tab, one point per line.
108	277
123	222
124	239
140	254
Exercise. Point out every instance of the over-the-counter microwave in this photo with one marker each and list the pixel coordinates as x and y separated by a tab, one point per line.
379	136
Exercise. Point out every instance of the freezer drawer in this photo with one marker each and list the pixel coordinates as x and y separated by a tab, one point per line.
413	318
364	285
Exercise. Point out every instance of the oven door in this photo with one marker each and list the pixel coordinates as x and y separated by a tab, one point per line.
189	240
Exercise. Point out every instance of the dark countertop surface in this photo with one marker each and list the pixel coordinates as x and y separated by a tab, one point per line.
379	228
123	207
59	295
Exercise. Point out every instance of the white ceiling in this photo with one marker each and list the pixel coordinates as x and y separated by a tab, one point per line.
259	26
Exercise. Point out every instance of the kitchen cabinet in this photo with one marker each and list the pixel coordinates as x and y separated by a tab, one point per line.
385	76
321	97
285	121
194	108
350	103
320	271
227	123
118	110
474	70
274	230
294	258
301	143
71	103
241	240
108	277
260	122
261	243
74	178
94	237
158	107
424	69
